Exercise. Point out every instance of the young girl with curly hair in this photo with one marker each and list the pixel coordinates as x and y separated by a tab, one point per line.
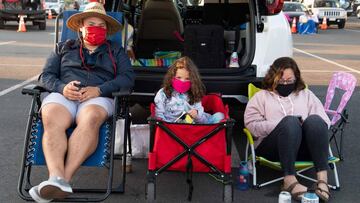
182	91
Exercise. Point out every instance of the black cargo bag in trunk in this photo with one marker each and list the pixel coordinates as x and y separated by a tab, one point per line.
204	44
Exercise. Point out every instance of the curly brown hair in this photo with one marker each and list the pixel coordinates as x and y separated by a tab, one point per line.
276	71
197	89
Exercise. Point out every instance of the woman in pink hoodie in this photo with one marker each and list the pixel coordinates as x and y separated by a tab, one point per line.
289	123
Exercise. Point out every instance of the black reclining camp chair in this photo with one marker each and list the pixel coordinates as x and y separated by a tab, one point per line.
103	156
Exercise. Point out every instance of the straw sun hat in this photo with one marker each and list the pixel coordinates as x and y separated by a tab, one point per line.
93	9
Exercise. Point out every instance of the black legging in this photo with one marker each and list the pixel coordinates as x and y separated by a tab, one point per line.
290	141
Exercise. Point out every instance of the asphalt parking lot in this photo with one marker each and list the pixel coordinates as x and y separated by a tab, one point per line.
319	56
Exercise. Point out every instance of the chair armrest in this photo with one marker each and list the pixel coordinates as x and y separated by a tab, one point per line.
248	135
122	92
33	89
331	111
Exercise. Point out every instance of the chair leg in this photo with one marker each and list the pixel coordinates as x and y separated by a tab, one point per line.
336	176
270	182
253	164
341	145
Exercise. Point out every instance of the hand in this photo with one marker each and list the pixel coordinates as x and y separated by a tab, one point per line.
89	92
193	113
71	92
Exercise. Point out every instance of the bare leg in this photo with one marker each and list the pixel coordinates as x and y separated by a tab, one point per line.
290	179
84	140
56	119
322	175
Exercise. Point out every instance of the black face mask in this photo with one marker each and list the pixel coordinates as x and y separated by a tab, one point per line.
285	90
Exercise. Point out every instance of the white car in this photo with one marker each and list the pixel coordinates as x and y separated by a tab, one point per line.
358	12
329	9
56	6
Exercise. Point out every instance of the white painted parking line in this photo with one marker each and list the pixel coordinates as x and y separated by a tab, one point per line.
323	71
352	30
10	89
327	60
9	42
20	65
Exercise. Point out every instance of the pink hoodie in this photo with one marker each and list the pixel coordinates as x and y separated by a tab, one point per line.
266	109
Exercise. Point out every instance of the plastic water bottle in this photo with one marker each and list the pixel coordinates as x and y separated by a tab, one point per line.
310	197
284	197
243	177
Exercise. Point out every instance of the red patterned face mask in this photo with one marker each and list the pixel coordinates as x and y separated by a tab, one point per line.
95	35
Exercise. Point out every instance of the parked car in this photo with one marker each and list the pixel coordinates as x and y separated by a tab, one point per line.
346	5
294	10
266	36
56	6
33	11
355	5
329	9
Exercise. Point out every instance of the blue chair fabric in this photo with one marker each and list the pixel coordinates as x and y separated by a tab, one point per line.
100	157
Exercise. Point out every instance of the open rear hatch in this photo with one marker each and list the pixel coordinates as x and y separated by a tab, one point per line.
224	80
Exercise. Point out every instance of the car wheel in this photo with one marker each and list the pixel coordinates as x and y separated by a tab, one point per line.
2	24
341	25
42	25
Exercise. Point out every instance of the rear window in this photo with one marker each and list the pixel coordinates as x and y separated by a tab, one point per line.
328	4
294	8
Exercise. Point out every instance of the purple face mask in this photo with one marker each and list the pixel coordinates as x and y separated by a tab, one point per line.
181	86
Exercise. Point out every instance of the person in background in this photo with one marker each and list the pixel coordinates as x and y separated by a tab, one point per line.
307	24
289	123
81	76
76	5
182	92
129	40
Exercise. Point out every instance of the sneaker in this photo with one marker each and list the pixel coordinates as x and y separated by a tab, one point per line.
54	188
234	61
34	193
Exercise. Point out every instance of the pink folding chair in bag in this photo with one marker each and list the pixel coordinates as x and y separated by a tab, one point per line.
339	117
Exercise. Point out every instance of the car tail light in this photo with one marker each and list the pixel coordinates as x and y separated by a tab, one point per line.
274	6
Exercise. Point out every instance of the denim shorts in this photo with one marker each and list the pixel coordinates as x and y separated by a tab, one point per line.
74	107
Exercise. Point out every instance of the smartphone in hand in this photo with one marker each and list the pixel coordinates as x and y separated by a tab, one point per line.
79	86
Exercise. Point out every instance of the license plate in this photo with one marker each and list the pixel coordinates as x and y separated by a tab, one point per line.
332	19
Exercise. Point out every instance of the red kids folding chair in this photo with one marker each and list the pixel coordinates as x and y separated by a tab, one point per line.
345	82
191	148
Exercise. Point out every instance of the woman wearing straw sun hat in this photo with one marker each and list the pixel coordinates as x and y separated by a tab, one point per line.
81	75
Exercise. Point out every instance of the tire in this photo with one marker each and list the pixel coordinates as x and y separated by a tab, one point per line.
341	25
2	24
150	192
42	25
228	193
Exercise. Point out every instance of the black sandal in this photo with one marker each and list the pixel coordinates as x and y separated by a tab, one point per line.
319	190
297	195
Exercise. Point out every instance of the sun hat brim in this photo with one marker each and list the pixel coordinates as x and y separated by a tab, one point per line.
75	21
